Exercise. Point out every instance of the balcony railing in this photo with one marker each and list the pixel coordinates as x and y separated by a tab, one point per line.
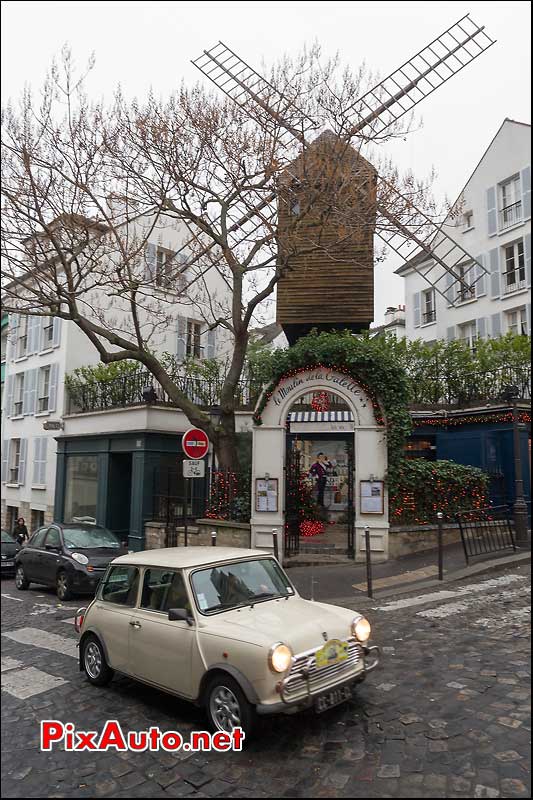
142	388
514	281
511	215
429	316
467	389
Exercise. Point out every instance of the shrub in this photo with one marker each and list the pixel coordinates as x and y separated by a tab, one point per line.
426	487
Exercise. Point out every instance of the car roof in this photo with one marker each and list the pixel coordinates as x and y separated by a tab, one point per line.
194	556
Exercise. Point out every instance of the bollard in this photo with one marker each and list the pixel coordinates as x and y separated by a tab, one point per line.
440	525
213	538
275	543
368	562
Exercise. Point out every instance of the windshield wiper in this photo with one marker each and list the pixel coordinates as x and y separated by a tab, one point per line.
223	607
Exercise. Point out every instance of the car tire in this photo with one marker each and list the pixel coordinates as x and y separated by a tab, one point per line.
21	582
95	666
63	586
227	707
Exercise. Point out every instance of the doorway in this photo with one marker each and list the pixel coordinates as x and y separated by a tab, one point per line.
319	494
119	496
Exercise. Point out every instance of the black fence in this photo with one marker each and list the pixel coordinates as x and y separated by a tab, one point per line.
141	387
486	530
437	387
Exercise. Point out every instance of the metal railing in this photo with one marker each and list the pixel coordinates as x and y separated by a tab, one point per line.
141	387
485	531
511	215
514	281
468	388
429	316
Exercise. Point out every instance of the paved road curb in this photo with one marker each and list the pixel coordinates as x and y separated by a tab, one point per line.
517	559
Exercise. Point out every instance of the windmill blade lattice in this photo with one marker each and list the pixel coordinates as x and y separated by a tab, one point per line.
408	85
406	230
250	90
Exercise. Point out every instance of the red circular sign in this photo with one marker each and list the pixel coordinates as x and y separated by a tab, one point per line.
195	443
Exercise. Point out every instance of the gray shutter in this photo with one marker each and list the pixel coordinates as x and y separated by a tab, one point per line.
52	392
150	255
450	283
416	309
480	274
5	458
31	335
44	447
450	333
36	459
26	391
492	213
12	335
181	336
528	318
33	379
495	277
496	325
22	461
527	255
526	192
10	391
56	333
482	328
211	343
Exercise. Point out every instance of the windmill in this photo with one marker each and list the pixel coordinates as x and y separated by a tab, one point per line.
403	227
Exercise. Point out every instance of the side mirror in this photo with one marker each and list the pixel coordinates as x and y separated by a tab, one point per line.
181	615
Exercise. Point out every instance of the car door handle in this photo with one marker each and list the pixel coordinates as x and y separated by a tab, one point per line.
135	624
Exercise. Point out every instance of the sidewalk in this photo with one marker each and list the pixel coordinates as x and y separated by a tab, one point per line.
345	583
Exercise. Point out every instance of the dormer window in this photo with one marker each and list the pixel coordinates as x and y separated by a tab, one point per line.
468	220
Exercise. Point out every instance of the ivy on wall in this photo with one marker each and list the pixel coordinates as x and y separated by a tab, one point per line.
361	358
425	488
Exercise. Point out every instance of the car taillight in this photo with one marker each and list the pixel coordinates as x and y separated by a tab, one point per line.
78	619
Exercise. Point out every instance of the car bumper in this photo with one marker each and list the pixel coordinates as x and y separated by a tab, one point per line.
86	582
8	567
287	706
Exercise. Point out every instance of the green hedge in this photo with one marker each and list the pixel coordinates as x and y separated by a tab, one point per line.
427	487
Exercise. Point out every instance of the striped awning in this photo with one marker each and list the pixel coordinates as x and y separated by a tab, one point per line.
321	416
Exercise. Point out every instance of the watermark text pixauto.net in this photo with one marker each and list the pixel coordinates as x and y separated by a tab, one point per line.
65	736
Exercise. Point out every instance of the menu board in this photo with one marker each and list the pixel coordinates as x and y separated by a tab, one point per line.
266	494
372	497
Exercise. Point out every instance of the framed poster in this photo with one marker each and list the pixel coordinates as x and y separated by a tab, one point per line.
266	494
372	497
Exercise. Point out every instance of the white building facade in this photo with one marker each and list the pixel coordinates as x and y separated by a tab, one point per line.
41	351
491	220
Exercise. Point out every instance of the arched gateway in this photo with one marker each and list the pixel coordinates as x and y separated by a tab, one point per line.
305	415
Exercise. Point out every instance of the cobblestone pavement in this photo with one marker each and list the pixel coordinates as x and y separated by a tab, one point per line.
446	715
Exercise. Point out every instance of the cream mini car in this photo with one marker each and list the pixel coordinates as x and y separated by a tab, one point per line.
225	629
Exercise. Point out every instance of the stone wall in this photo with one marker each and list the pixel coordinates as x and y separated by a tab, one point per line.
229	534
32	516
405	540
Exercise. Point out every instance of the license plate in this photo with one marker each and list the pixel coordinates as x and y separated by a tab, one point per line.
332	699
332	652
8	563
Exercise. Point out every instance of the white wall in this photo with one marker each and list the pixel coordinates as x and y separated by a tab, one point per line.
509	154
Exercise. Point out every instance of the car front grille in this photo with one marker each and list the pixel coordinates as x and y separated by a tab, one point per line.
306	678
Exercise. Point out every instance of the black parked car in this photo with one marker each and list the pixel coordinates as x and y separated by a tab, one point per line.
72	557
9	550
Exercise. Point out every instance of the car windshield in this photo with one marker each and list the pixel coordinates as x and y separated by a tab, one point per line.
242	583
6	538
87	538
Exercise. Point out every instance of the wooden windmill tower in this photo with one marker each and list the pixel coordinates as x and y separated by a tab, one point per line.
330	284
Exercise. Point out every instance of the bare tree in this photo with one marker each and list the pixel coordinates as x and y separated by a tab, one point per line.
85	186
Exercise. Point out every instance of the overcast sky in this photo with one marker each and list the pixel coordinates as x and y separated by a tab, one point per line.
150	44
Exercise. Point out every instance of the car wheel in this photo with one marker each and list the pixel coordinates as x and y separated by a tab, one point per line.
20	579
226	706
63	587
95	666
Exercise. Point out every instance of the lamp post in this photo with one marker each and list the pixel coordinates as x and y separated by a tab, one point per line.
511	394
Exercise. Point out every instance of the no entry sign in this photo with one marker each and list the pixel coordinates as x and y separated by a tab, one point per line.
195	444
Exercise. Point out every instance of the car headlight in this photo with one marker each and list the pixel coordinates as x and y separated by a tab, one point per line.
361	629
80	558
279	657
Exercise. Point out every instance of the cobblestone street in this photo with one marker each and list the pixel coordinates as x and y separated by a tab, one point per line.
447	714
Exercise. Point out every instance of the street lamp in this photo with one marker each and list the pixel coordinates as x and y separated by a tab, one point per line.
511	394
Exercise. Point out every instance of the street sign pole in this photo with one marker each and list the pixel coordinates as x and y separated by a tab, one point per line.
195	445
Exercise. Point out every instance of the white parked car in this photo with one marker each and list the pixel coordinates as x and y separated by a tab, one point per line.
224	628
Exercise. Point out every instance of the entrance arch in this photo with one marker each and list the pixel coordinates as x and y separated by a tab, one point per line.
269	460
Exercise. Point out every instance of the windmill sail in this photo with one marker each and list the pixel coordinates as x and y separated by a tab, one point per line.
407	230
417	78
250	90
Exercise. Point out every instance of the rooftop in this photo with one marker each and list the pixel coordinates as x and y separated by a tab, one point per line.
185	557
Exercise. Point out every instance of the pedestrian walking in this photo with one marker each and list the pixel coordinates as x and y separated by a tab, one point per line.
20	531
